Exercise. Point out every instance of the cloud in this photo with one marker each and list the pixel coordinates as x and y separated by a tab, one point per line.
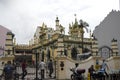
23	16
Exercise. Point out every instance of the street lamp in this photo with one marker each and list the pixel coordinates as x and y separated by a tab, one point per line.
55	68
36	55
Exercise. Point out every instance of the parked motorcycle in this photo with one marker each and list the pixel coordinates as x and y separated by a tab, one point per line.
77	74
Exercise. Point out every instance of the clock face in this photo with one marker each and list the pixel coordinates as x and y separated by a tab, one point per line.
105	52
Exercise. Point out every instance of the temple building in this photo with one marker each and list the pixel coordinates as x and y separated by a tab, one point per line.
67	49
50	43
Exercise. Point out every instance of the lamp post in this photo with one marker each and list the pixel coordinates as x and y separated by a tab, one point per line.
36	67
55	68
36	55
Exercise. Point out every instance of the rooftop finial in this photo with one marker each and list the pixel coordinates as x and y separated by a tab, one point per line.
75	15
75	18
56	17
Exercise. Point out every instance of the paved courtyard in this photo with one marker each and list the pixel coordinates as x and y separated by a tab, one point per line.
32	74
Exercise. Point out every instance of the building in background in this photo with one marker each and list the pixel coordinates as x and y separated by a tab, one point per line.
107	32
24	52
6	44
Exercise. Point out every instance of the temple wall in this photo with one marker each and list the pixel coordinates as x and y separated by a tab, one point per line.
113	63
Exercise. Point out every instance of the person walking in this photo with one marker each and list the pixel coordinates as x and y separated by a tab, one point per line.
8	71
24	71
50	68
42	67
102	70
104	66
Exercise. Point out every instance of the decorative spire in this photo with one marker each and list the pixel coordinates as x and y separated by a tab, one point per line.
57	21
76	22
43	24
75	18
56	18
114	40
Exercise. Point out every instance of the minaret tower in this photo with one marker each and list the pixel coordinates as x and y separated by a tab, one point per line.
114	47
75	19
57	23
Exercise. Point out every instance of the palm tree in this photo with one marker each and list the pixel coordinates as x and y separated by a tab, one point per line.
83	25
62	29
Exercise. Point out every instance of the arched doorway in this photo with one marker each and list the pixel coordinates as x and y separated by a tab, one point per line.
105	52
48	54
74	53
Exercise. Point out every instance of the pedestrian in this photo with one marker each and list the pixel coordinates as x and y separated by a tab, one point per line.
33	63
3	63
104	66
76	67
91	70
8	71
50	68
97	65
24	71
42	67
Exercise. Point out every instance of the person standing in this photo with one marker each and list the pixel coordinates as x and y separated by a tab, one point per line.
97	65
91	70
24	71
42	67
50	68
8	71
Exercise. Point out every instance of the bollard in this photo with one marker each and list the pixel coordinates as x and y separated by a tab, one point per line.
88	76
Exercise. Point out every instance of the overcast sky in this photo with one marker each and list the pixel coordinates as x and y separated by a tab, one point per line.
23	16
